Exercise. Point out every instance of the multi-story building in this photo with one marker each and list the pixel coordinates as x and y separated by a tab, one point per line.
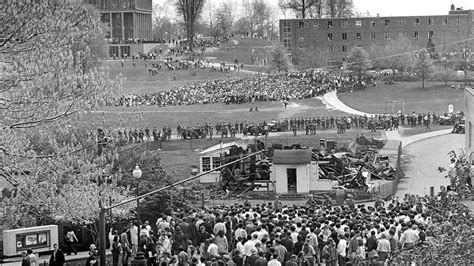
469	141
128	22
335	37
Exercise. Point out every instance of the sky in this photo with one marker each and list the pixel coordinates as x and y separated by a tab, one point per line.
387	7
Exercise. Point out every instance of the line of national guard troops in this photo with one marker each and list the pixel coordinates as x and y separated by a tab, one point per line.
309	124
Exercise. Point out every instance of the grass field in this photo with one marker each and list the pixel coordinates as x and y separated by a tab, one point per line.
138	80
435	97
151	116
242	51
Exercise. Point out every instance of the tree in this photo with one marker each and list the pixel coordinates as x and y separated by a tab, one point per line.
225	16
423	66
302	7
444	75
306	58
190	10
48	84
358	62
164	24
339	8
395	55
280	61
257	18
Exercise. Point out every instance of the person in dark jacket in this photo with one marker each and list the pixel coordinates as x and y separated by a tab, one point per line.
57	258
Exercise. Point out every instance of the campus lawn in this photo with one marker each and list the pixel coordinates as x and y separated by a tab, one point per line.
139	80
184	115
242	51
435	97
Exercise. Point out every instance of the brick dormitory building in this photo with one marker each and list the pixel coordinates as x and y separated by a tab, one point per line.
335	37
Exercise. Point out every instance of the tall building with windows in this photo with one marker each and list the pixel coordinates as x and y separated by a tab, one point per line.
128	22
335	37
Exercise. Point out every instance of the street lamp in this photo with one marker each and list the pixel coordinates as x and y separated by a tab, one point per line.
137	174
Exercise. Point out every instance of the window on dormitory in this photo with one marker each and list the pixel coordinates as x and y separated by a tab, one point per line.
387	22
301	25
329	36
358	35
330	24
416	21
344	36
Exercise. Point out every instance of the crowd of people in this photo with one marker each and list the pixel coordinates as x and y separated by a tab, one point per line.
275	87
275	234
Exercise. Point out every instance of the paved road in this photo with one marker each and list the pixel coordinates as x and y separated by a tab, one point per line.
421	160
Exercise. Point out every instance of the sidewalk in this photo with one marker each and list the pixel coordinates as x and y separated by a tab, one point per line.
331	100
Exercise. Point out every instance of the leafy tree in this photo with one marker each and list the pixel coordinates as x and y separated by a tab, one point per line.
306	58
49	82
339	8
280	60
358	62
225	16
258	18
394	56
444	75
164	24
302	7
423	66
190	10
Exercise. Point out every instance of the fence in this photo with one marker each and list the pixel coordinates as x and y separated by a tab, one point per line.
389	188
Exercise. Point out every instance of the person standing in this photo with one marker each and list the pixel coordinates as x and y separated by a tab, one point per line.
25	261
126	248
91	261
134	237
70	239
57	258
32	257
115	247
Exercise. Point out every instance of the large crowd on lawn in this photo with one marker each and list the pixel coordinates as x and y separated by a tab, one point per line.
275	87
274	234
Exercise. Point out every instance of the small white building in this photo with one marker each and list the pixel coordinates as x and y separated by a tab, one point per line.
211	158
295	173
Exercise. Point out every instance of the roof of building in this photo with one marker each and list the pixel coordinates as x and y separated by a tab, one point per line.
225	146
302	156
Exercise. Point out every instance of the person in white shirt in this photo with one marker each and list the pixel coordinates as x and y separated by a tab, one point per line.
240	232
274	261
383	248
239	246
213	250
147	225
134	237
248	246
144	231
342	249
409	237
